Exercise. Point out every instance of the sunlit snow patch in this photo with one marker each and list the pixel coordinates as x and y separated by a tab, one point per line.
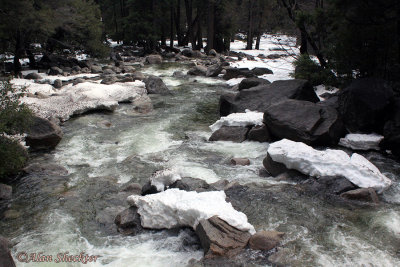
239	119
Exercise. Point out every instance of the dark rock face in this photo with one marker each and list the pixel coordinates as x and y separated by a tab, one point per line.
362	194
252	82
237	72
33	76
128	222
55	71
149	189
265	240
43	134
198	71
274	168
219	239
261	71
363	105
259	134
155	85
261	97
235	134
329	185
391	131
5	192
154	59
6	259
305	122
191	184
214	70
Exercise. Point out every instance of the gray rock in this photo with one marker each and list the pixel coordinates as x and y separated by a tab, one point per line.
240	161
235	134
6	260
154	59
96	69
128	222
274	168
362	194
155	85
56	71
43	134
219	239
261	71
265	240
138	76
33	76
78	80
191	184
259	134
214	70
57	84
198	71
178	74
261	97
108	72
232	73
109	80
129	69
5	192
329	185
303	121
213	53
252	82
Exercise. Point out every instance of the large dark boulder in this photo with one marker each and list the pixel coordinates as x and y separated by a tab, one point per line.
261	71
219	239
362	194
259	134
6	259
155	85
43	134
198	71
391	131
364	105
333	185
232	73
303	121
235	134
191	184
53	60
252	82
128	222
214	70
274	168
261	97
265	240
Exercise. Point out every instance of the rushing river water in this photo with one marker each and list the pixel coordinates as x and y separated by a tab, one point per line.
53	214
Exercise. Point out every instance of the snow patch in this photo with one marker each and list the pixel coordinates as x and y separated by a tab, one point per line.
303	158
239	119
362	141
164	178
176	208
322	89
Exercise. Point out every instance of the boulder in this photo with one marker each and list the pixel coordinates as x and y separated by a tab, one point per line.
364	105
252	82
6	260
391	131
212	52
111	79
96	69
191	184
129	69
274	168
198	71
43	134
265	240
305	122
261	71
108	72
33	76
240	161
155	85
5	192
154	59
261	97
235	134
219	239
361	141
138	76
56	71
329	185
128	221
149	189
214	70
178	74
259	134
57	84
232	73
362	194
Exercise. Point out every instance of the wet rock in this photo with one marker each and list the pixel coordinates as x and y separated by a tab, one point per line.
214	70
134	188
274	168
303	121
57	84
45	168
155	85
240	161
259	133
129	69
364	105
33	76
108	72
78	81
232	73
252	82
334	185
178	74
219	239
265	240
262	97
6	260
128	221
96	69
198	70
212	52
220	185
56	71
362	194
149	189
261	71
154	59
43	134
191	184
5	192
235	134
138	76
77	69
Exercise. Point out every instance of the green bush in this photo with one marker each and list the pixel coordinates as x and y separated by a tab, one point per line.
13	157
307	69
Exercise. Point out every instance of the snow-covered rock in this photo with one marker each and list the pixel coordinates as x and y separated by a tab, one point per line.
164	178
321	90
305	159
176	208
239	119
361	141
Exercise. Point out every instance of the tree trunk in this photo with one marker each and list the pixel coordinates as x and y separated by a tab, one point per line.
250	29
303	43
178	23
18	53
210	25
189	18
259	30
31	56
199	36
171	29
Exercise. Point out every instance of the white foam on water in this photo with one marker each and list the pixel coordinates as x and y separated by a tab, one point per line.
246	149
389	220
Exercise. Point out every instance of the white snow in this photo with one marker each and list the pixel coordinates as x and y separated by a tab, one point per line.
303	158
234	81
361	141
239	119
176	208
164	178
322	89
